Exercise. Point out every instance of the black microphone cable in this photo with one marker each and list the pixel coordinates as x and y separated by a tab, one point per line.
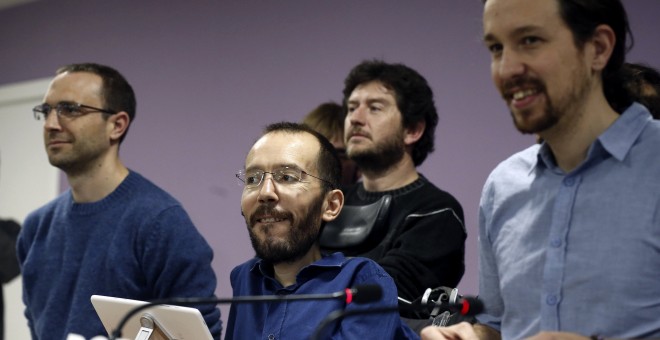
358	294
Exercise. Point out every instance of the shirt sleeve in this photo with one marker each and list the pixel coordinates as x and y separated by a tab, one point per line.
23	243
178	263
489	281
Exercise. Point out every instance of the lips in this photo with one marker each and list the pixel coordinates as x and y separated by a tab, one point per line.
522	92
56	142
357	133
268	215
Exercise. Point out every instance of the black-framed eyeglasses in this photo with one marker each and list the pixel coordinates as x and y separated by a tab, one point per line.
284	176
66	110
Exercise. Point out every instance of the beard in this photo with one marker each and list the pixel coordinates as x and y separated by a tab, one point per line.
381	156
301	236
572	99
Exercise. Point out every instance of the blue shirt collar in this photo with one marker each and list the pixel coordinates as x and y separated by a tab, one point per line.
327	262
616	141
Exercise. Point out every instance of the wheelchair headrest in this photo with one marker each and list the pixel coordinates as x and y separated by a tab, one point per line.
357	226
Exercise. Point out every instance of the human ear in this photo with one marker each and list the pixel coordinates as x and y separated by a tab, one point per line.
414	133
334	201
117	125
603	41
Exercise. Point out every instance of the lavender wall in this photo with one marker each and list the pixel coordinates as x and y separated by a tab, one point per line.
209	76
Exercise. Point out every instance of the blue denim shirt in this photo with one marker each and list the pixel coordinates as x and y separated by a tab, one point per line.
299	319
577	251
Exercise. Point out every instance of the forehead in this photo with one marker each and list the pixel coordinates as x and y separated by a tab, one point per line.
279	148
507	17
371	91
77	86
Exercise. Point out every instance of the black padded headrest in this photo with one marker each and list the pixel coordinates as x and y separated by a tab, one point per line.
357	226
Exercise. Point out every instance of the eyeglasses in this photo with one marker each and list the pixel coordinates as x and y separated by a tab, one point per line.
284	176
66	110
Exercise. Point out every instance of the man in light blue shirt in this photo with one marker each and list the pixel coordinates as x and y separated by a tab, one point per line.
569	229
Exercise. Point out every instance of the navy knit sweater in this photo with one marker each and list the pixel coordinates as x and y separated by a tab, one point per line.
136	243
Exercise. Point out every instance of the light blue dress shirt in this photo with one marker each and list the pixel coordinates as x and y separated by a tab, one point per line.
577	251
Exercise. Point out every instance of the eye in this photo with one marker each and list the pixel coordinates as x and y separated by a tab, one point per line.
253	178
287	176
530	40
68	109
495	48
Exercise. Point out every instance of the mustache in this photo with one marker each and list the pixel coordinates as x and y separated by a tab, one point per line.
357	131
510	86
264	210
55	135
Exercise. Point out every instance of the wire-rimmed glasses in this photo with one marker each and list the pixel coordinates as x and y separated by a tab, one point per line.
66	110
285	176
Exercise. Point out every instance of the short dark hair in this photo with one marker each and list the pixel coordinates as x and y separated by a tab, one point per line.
643	83
116	93
582	17
414	98
327	161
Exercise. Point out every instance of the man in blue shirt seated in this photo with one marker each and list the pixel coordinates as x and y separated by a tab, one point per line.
290	190
569	229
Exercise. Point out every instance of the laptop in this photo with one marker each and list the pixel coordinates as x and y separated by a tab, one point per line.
176	322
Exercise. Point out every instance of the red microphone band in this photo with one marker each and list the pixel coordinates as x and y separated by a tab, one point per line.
349	295
466	307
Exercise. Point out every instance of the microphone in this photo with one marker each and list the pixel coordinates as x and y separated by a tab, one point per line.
359	294
466	305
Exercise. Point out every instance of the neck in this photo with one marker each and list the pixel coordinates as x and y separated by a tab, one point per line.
394	177
570	139
98	180
286	272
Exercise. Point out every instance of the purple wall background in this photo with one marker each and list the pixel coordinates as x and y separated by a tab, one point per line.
210	74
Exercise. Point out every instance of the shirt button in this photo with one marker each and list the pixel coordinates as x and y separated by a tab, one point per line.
271	336
569	181
555	243
551	299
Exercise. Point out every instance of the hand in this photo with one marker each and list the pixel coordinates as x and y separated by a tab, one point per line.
461	331
558	336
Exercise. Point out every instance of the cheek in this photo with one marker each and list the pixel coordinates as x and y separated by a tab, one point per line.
246	201
493	73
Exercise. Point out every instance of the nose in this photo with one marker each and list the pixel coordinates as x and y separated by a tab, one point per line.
52	121
508	66
357	117
267	190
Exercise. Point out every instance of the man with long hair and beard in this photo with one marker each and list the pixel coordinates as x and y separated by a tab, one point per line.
389	131
568	228
290	183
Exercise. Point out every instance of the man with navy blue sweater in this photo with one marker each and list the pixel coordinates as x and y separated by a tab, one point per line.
114	232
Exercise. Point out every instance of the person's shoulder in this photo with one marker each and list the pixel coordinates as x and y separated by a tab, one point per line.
364	265
434	191
49	208
240	274
148	191
521	161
